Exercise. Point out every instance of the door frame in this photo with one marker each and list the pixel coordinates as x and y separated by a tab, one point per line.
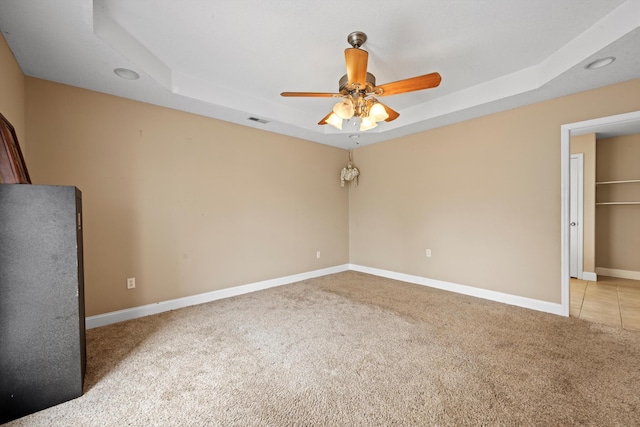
580	213
566	130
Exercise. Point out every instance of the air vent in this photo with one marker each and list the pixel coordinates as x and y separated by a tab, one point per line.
255	119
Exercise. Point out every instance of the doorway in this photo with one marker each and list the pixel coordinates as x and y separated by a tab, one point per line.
630	122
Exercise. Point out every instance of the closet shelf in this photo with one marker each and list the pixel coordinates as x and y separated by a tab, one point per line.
618	182
617	203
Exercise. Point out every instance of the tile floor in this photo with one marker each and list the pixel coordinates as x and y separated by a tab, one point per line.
610	300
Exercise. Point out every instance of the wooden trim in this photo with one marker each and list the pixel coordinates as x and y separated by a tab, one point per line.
13	169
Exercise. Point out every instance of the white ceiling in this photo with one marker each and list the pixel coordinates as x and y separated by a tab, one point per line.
231	59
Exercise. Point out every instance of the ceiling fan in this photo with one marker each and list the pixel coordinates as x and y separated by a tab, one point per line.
358	90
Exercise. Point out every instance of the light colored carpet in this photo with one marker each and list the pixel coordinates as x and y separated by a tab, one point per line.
352	349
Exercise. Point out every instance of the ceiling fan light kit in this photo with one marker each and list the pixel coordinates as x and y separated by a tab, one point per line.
367	123
334	121
378	113
358	90
344	109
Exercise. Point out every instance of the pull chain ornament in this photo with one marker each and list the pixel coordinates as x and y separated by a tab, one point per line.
350	173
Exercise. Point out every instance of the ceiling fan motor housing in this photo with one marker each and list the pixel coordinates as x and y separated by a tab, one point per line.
343	84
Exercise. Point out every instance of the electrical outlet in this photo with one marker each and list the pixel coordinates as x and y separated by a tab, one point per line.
131	283
428	253
318	254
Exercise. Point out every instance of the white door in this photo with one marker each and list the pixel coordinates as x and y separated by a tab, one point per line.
575	217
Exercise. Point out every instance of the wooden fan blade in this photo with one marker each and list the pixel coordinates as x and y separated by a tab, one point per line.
324	121
311	94
409	85
392	113
356	66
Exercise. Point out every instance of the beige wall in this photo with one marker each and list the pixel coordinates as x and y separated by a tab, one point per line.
483	195
162	203
184	203
586	144
618	226
12	100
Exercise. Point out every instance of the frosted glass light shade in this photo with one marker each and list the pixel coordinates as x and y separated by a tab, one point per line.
335	121
378	113
344	109
367	123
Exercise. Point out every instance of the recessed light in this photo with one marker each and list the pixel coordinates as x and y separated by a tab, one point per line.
599	63
126	73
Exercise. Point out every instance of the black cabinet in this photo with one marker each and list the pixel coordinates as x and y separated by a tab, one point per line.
42	321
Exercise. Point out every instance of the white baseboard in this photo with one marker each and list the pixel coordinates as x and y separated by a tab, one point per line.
588	275
533	304
162	306
622	274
